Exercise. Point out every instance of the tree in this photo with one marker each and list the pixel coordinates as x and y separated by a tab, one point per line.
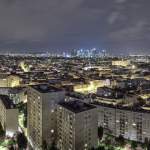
22	107
21	141
100	132
146	144
53	146
2	132
108	140
11	148
44	145
120	141
101	148
133	145
111	148
25	122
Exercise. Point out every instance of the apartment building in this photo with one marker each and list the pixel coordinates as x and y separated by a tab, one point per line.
9	80
41	121
8	115
77	125
130	122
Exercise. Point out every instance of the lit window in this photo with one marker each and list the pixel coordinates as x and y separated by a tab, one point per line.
144	132
52	110
134	124
52	131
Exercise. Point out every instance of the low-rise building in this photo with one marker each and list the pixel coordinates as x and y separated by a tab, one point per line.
130	122
8	115
13	80
3	80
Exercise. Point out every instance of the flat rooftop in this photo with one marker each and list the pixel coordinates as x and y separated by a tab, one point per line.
45	88
8	103
138	109
76	106
3	76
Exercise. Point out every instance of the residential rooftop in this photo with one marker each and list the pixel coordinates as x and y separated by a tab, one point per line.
8	103
45	88
138	109
77	106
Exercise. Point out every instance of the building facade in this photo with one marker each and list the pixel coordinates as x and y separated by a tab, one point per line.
41	121
132	124
77	126
8	115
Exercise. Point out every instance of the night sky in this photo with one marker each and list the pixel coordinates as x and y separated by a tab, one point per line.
36	25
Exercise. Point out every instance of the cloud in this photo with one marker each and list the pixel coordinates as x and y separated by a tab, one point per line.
134	32
113	17
120	1
66	24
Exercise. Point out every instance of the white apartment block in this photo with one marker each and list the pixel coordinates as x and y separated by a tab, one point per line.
131	123
42	120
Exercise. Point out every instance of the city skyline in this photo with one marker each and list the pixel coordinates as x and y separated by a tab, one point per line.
83	101
74	75
120	26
